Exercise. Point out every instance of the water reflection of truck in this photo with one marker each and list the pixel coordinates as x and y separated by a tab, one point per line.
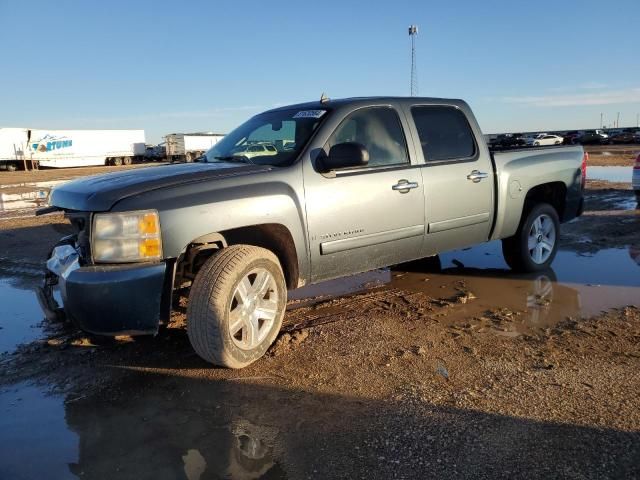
182	147
20	147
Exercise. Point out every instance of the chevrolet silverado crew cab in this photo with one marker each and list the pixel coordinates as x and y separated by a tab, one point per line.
363	183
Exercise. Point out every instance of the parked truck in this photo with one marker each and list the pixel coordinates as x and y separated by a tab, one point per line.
183	147
13	145
69	148
80	148
362	184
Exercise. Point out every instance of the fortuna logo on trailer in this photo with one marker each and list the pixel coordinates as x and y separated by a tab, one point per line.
49	143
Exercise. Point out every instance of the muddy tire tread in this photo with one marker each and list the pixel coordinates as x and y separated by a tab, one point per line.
207	292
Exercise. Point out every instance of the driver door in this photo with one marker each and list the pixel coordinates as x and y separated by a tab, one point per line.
370	216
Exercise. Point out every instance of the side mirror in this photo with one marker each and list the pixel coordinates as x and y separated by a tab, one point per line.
345	155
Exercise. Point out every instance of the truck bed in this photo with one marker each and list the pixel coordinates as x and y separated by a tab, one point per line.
520	169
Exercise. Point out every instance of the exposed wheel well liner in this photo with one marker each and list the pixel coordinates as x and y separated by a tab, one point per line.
272	236
553	193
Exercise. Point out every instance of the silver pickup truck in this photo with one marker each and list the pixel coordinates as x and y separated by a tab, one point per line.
347	186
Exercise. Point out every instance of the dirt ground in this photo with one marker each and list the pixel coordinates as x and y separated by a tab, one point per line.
427	372
48	174
612	155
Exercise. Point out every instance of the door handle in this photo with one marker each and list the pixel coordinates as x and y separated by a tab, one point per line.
403	186
476	175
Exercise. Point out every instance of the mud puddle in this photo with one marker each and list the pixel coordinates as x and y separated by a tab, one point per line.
161	424
20	316
577	286
22	199
610	174
495	299
35	439
143	435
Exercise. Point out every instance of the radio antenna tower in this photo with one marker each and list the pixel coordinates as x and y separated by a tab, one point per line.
413	31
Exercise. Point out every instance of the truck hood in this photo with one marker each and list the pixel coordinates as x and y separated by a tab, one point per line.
101	192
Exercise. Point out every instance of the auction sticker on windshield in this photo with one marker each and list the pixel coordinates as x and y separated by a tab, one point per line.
309	114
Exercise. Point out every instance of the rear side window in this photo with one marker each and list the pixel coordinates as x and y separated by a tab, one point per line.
444	133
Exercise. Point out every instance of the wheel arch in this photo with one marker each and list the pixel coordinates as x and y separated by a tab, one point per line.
553	193
274	237
512	208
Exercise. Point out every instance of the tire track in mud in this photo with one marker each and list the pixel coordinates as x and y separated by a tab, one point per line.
403	303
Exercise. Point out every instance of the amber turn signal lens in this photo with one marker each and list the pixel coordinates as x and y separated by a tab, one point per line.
150	247
149	224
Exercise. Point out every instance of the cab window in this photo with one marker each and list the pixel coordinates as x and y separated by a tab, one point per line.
379	130
445	133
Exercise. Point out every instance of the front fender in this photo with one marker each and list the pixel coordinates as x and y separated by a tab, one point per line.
192	211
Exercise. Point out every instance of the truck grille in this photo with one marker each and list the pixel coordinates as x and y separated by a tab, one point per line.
81	223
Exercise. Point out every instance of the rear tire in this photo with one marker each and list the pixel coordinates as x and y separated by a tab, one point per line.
11	167
189	157
117	161
236	306
127	161
535	244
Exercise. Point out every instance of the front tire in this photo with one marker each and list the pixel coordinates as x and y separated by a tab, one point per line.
236	306
535	244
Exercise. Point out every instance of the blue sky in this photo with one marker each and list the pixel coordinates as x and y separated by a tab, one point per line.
195	66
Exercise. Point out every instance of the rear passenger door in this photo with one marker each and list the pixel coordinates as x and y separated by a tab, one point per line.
458	178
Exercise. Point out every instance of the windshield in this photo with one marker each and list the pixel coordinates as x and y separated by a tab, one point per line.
272	138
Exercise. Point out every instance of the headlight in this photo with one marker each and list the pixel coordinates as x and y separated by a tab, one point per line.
126	237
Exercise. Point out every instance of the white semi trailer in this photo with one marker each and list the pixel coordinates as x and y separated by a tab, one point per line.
186	147
13	145
69	148
77	148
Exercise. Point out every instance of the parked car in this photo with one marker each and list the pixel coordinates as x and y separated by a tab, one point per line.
625	137
508	140
635	179
370	182
529	138
569	138
593	137
545	139
257	150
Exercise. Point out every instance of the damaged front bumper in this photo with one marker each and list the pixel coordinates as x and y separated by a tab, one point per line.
112	300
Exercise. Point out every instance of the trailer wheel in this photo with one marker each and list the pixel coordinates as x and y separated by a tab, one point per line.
236	306
127	160
11	167
188	157
117	161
